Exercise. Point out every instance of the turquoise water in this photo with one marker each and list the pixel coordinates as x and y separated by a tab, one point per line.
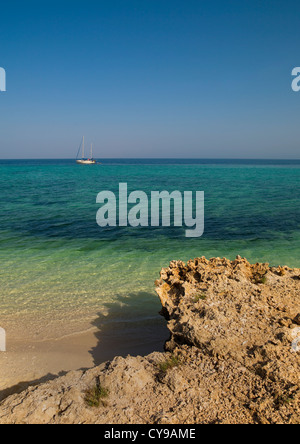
60	270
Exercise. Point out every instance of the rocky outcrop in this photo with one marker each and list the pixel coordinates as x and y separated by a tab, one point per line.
236	310
233	357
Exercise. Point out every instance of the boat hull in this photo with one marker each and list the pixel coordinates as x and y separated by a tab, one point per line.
86	162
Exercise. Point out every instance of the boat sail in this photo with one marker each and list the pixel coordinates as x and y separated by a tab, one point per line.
84	160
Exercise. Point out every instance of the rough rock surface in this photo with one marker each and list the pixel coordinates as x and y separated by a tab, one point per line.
233	356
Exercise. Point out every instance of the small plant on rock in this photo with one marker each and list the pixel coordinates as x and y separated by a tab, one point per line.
200	297
170	363
260	279
95	395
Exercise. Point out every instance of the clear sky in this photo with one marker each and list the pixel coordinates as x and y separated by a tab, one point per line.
150	78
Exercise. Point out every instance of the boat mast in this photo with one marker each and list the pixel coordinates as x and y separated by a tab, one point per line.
83	147
91	150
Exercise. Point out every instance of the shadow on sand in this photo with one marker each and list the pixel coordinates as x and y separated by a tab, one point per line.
125	329
132	326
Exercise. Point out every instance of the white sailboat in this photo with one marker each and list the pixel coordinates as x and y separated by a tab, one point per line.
84	160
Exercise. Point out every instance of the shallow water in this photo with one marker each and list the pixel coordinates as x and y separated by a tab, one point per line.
60	273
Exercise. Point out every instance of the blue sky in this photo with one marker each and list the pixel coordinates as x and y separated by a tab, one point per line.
150	78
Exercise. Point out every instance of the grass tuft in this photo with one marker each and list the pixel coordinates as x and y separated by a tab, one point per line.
259	279
200	297
95	395
170	363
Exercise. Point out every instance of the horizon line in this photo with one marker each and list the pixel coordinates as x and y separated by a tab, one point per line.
157	158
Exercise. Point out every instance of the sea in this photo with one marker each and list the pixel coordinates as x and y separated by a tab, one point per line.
61	274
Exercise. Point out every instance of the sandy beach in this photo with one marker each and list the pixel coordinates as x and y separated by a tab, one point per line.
29	362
